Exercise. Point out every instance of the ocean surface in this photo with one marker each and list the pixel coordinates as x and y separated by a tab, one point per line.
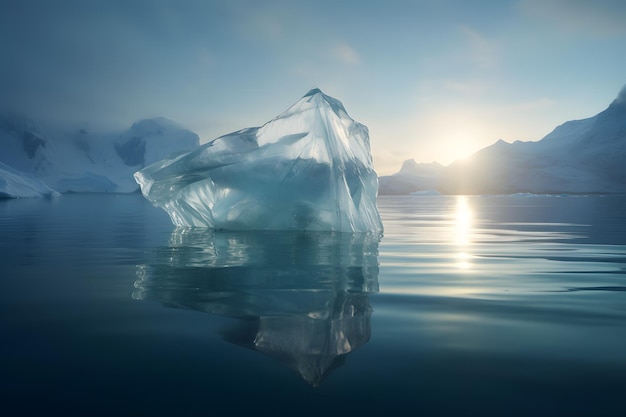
486	306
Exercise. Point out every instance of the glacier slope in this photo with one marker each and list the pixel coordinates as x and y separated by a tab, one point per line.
17	184
79	159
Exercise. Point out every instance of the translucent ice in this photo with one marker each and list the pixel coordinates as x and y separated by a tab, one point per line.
310	168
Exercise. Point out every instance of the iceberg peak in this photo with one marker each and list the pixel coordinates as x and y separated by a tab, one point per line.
313	91
315	97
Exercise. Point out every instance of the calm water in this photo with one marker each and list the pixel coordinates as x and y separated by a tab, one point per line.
498	306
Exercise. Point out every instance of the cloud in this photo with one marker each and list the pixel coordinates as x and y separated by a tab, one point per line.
465	87
345	54
482	51
268	22
106	61
601	18
266	25
526	106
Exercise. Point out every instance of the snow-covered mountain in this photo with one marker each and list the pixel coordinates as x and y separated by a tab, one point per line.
412	177
78	159
579	156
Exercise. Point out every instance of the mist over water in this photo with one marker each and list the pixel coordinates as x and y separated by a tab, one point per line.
495	305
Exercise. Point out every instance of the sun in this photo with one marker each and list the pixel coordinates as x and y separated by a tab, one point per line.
455	134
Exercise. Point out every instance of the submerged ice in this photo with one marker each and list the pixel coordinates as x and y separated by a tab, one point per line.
301	298
310	168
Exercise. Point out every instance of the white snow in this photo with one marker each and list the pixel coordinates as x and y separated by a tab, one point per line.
16	184
80	160
310	168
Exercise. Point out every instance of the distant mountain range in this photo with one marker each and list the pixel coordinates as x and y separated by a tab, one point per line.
36	162
578	157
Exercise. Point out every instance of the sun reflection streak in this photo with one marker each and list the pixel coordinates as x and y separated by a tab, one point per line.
463	260
462	232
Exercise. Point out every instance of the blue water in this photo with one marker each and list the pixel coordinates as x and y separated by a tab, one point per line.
466	306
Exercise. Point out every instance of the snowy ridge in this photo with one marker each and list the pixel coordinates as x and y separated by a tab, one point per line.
78	159
413	178
578	157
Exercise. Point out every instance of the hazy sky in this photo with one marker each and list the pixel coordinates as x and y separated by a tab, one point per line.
433	80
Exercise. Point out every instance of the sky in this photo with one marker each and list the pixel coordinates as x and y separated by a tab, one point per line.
434	80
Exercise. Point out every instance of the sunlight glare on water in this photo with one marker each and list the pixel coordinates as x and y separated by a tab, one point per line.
475	246
468	305
463	231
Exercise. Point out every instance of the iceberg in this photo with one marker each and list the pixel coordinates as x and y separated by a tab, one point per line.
309	168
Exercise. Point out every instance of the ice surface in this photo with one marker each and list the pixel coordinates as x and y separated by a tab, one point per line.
310	168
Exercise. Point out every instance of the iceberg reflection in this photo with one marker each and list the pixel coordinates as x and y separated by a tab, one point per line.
303	296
